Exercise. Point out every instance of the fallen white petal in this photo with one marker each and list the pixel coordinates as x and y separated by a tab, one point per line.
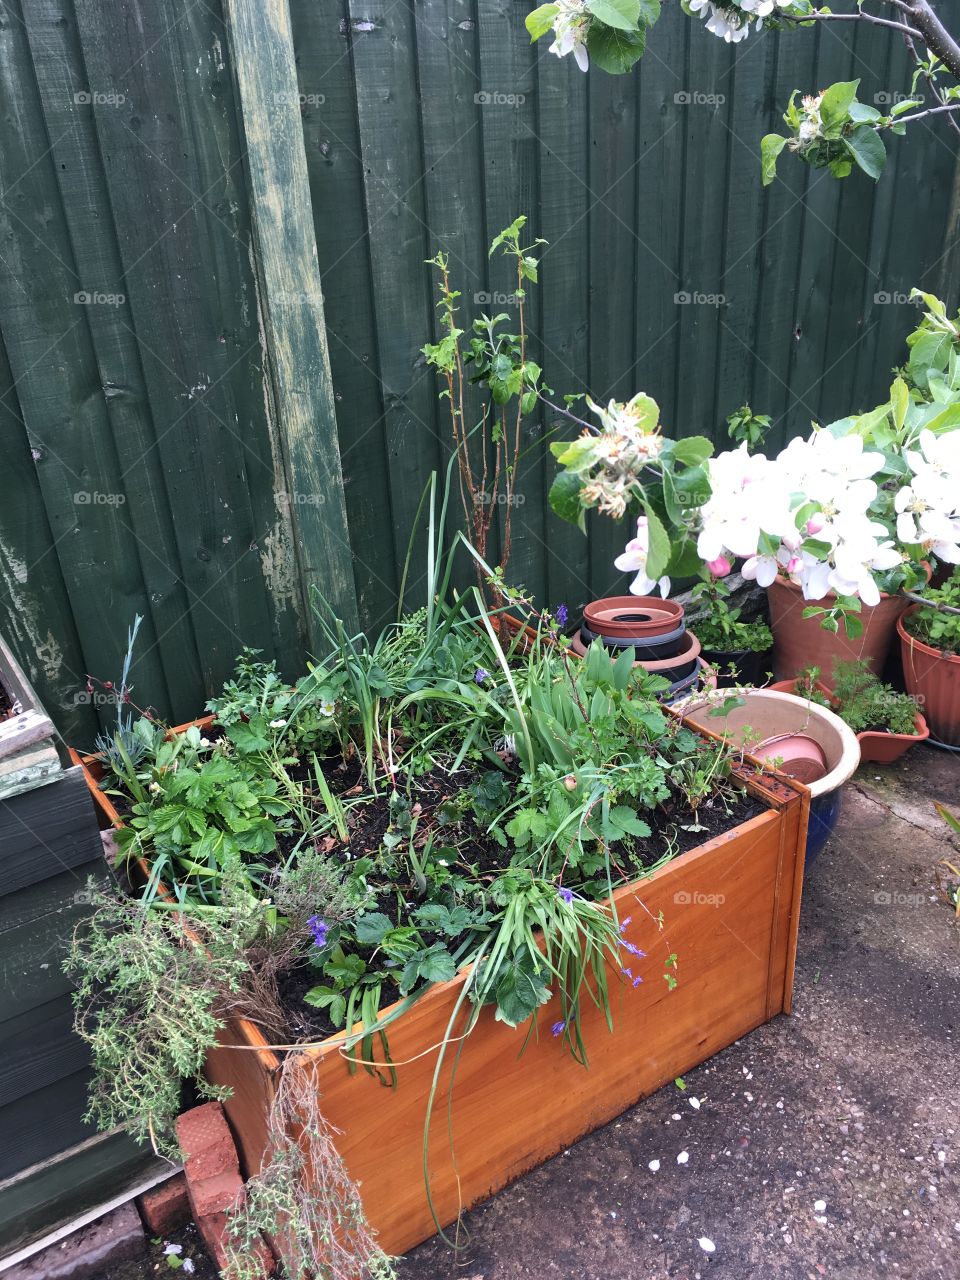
819	1205
188	1265
683	1157
653	1166
695	1103
172	1248
706	1244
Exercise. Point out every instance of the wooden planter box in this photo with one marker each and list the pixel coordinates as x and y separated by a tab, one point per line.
731	910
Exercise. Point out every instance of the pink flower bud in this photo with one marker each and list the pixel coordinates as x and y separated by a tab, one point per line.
816	522
794	564
719	567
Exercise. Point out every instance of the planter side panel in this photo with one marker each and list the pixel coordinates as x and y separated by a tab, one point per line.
729	914
248	1073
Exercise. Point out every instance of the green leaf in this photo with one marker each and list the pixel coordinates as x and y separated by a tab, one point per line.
615	51
622	14
836	102
649	11
658	555
900	400
866	147
250	736
540	21
860	113
436	964
692	450
565	499
770	147
520	992
371	929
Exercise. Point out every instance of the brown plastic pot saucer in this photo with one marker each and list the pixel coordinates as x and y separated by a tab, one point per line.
673	669
876	747
633	617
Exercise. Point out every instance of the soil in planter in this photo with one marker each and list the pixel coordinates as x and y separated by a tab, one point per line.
480	856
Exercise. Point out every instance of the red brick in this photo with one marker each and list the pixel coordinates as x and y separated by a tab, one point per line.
206	1142
216	1195
214	1231
167	1207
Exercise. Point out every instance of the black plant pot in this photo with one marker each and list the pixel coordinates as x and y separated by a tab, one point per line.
751	666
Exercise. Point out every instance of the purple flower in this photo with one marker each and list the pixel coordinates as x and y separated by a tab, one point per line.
565	894
480	675
634	950
637	980
561	615
624	922
558	1028
319	928
626	973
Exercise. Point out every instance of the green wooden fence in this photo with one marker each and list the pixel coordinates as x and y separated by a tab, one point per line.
191	431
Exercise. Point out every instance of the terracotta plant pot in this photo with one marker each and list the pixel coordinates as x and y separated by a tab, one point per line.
876	746
633	617
800	642
932	676
770	714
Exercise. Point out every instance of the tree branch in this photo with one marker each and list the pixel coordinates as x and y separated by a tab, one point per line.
935	35
865	17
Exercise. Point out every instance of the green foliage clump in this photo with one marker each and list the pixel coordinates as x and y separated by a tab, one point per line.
148	1000
718	626
861	698
935	626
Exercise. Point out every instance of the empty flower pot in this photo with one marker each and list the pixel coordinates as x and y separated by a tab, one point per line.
633	617
766	714
877	746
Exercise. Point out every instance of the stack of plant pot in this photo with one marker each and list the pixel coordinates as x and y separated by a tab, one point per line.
655	630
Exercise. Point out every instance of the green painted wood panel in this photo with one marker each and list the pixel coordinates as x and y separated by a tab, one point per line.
125	171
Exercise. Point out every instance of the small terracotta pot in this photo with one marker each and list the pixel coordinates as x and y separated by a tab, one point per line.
932	676
633	617
876	747
800	642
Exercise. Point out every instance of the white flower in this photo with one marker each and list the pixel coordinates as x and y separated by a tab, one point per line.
726	23
327	708
570	28
634	560
278	724
855	563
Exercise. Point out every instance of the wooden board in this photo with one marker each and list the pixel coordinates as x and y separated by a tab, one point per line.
731	910
47	831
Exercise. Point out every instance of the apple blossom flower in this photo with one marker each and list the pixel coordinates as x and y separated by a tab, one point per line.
571	25
720	566
634	560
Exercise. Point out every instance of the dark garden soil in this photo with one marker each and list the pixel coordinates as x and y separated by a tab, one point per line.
6	704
